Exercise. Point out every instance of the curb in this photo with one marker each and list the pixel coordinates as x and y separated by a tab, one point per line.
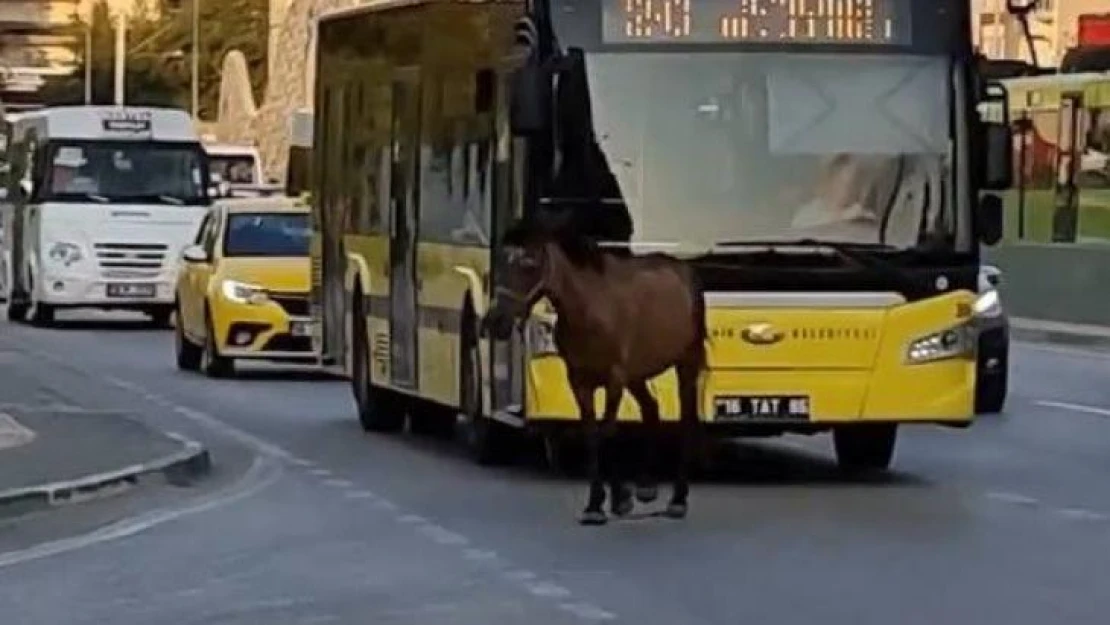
1090	337
190	462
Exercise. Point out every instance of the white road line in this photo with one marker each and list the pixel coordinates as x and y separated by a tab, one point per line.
261	474
339	483
1062	405
359	494
318	472
1081	514
1012	498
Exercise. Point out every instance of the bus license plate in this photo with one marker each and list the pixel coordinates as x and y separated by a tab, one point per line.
131	290
300	328
761	407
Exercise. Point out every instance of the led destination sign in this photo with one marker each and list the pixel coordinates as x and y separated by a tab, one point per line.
783	22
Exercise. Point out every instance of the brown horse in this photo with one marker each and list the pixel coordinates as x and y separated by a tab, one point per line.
622	320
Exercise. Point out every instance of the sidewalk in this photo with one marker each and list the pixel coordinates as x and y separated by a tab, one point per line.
53	452
1070	334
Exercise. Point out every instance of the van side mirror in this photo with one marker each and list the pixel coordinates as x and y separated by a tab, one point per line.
27	187
530	101
3	194
990	219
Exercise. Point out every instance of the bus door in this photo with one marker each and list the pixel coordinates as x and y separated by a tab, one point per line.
404	198
507	356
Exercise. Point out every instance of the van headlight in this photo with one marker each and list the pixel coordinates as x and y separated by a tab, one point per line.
65	254
540	335
242	292
988	304
954	342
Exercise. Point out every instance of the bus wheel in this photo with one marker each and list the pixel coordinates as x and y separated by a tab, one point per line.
564	454
376	413
865	448
487	441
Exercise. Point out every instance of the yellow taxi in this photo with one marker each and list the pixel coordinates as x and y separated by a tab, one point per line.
243	288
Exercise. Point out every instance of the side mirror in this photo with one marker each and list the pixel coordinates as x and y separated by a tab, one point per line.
3	194
993	275
27	187
998	160
989	219
194	254
530	100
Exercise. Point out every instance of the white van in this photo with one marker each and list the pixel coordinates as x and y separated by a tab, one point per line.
237	169
103	201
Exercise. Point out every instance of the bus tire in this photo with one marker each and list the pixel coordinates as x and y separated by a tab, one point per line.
376	413
187	353
487	442
212	363
865	447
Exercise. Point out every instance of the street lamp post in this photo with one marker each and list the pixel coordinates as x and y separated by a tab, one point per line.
88	64
121	57
194	85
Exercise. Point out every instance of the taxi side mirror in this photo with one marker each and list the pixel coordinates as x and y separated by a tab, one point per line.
194	254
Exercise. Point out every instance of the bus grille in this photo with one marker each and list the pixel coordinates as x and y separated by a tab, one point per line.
295	304
130	260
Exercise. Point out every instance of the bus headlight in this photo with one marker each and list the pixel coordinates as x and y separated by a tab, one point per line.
540	335
243	293
951	343
988	305
65	254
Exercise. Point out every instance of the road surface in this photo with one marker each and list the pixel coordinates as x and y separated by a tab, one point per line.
313	521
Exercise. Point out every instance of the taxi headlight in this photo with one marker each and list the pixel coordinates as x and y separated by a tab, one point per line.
65	254
951	343
243	293
540	334
988	305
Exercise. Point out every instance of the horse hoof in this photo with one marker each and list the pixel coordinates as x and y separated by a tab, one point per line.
676	511
647	494
593	517
622	507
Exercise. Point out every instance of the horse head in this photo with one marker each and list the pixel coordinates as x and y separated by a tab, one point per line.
527	249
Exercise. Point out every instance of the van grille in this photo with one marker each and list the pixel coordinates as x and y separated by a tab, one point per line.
130	260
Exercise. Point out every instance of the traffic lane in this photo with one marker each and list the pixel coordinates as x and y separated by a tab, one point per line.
282	548
813	545
1040	454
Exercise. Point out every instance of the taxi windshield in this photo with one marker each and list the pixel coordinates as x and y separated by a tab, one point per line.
267	234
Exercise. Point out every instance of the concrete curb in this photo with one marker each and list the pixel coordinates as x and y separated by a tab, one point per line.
1072	335
188	463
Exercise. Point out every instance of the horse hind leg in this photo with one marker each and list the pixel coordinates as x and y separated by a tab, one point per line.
594	514
613	458
647	437
689	422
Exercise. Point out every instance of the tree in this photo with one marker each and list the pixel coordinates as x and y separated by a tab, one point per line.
152	77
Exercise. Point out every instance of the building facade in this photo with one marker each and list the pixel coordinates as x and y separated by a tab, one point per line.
1054	26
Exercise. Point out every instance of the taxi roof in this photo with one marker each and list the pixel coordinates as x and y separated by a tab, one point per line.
272	204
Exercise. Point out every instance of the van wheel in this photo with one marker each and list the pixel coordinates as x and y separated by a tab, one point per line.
212	363
188	354
866	447
377	411
42	315
487	441
160	317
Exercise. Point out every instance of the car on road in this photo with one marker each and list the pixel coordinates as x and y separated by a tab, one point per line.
243	287
994	344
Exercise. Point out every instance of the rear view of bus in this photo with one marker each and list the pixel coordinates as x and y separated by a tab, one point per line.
104	200
819	163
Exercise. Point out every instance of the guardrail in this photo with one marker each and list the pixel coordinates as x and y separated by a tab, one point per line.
1064	282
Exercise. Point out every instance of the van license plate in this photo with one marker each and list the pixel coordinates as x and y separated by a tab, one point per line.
131	290
761	407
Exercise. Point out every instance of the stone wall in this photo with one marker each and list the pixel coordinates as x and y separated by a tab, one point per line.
288	88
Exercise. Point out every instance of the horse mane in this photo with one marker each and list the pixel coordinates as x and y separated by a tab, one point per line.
582	251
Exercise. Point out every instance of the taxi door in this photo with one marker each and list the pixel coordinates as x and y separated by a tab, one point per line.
196	276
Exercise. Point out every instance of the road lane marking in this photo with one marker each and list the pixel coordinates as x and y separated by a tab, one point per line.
1063	405
359	494
1082	514
339	483
261	474
1014	498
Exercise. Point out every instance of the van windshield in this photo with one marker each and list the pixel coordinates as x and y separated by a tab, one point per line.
120	172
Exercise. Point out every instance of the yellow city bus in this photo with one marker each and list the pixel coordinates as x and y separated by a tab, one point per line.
820	171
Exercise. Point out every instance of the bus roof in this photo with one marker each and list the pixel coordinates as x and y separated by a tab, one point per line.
110	123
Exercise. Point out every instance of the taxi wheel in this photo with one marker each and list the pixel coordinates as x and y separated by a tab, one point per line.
212	363
188	354
865	448
487	441
376	411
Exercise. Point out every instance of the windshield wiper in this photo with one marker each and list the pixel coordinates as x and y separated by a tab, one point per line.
853	252
95	197
169	199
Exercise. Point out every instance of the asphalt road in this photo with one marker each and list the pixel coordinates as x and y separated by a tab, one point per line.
311	521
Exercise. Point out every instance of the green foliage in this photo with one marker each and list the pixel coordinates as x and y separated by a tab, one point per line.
159	48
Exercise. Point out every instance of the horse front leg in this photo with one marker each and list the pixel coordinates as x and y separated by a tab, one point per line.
688	426
646	442
620	495
594	514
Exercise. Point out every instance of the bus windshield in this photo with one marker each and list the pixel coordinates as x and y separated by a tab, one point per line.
718	146
121	172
